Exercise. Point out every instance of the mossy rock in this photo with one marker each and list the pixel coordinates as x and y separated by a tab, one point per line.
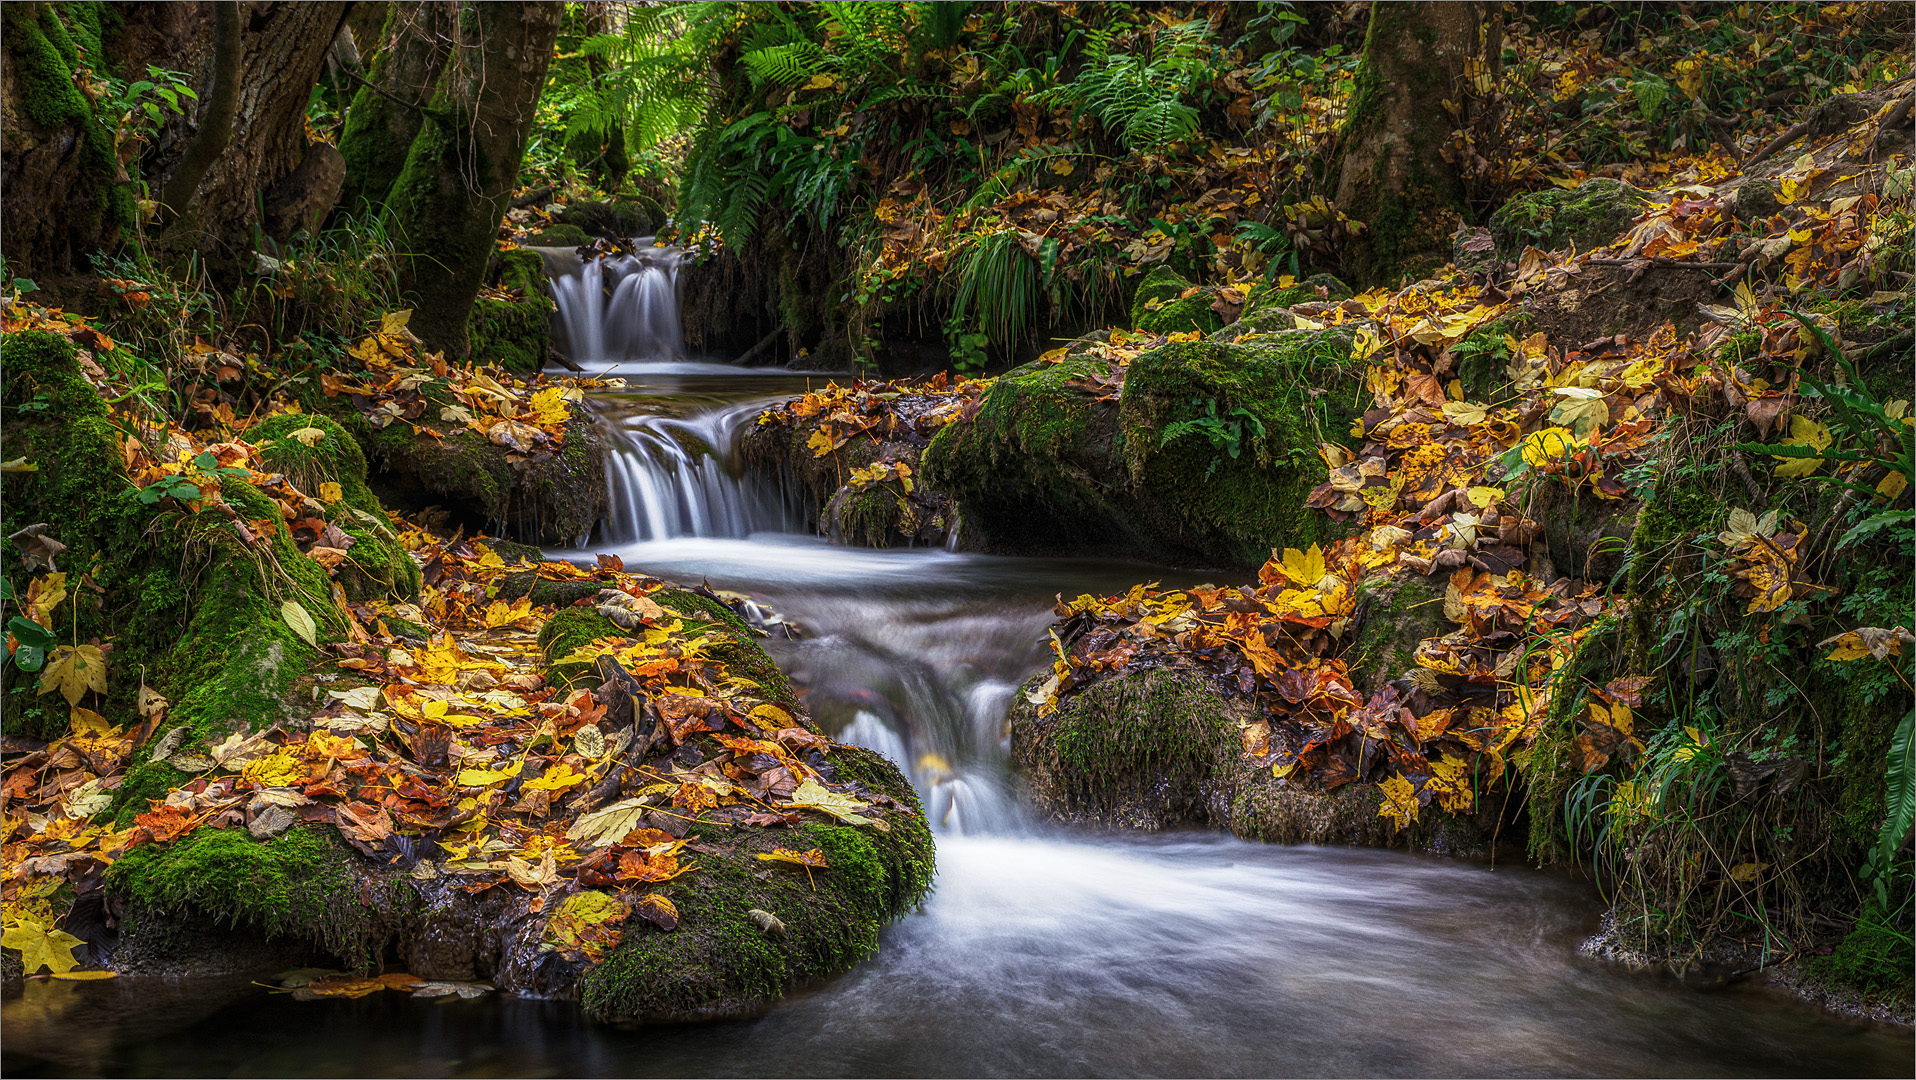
513	334
1044	467
205	630
376	565
719	963
1159	749
1395	613
1590	215
1160	307
552	497
574	628
303	885
1269	294
566	236
621	219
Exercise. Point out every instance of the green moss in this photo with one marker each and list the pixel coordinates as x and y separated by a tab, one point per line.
1548	771
300	884
1126	738
1590	215
514	333
239	658
570	236
719	963
44	45
567	632
741	654
1397	614
1044	466
1157	309
1875	958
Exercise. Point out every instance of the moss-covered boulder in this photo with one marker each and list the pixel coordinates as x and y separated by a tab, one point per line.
550	497
736	645
1159	305
1160	749
618	219
722	961
513	333
1589	215
1205	458
214	901
567	236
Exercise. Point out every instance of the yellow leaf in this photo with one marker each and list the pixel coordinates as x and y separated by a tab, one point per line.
73	671
1808	433
41	946
1552	444
1399	802
394	322
1485	496
820	82
1891	486
1305	568
1745	873
89	724
308	435
488	777
329	491
811	795
557	778
274	770
301	622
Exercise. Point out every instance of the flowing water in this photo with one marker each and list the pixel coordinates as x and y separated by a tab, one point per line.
1041	951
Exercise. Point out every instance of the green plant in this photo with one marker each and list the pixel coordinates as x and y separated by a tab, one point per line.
1226	433
1003	281
1140	97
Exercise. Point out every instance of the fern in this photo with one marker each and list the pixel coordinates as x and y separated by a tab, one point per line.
1899	799
1139	96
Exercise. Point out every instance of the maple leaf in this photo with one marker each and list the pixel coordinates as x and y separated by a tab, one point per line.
657	910
1305	568
41	946
1399	801
1551	445
584	926
73	671
1744	527
557	778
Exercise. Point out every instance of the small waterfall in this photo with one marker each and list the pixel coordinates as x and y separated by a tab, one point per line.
621	308
670	477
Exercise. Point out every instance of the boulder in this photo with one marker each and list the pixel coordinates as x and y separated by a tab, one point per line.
1204	455
1589	215
1160	307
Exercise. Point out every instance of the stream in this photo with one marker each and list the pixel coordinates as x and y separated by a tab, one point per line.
1041	951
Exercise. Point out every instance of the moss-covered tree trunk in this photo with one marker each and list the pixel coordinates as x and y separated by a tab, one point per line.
386	115
63	197
1391	172
446	204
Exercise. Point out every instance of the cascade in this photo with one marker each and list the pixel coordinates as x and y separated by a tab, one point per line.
620	308
670	477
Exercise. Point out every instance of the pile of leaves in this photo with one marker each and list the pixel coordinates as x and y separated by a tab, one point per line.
907	412
441	750
396	380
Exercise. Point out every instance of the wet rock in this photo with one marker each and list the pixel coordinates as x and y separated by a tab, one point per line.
1160	750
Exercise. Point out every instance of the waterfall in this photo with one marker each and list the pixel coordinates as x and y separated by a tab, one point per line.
620	308
670	477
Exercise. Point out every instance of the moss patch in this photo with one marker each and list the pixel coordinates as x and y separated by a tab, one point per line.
1589	215
515	333
1159	306
299	884
376	565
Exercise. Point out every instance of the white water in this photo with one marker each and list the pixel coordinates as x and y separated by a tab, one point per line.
620	309
668	478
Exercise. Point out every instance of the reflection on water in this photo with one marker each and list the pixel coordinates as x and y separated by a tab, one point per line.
1079	956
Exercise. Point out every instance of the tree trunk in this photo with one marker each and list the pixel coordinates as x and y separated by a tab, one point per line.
216	122
446	205
1391	171
386	115
284	47
59	171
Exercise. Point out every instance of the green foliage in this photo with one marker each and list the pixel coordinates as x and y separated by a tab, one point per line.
1140	96
1226	433
1005	284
